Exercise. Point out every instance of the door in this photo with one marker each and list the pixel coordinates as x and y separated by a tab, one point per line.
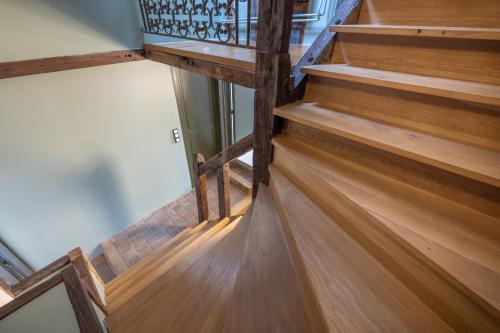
197	101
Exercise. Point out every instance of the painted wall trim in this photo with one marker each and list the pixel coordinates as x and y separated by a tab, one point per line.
57	64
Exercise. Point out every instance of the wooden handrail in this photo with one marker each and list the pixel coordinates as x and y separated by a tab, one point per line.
220	164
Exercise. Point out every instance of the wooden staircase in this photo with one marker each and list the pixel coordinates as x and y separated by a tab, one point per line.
383	208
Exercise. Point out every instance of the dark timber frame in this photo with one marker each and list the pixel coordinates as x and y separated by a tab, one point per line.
220	164
272	77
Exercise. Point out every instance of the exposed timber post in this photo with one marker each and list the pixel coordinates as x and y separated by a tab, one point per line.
272	75
200	185
223	189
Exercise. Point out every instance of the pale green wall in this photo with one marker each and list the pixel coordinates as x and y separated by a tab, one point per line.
83	153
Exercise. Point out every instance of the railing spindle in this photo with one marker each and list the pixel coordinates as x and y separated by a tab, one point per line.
224	191
200	185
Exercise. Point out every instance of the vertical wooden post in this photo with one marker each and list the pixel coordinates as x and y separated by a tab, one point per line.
200	185
272	76
224	191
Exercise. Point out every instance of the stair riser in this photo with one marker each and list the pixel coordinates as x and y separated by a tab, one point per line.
453	13
463	191
458	306
469	60
464	122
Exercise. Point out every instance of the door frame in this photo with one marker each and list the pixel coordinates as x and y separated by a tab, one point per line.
214	104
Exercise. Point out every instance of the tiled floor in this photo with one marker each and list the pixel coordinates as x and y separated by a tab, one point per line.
132	244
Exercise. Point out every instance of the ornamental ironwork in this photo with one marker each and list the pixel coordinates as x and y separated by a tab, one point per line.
207	20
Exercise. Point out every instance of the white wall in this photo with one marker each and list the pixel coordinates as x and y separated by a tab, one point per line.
83	153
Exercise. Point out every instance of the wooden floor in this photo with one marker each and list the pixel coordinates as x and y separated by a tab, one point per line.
242	58
137	241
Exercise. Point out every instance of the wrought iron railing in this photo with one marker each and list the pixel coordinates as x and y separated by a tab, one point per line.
207	20
218	21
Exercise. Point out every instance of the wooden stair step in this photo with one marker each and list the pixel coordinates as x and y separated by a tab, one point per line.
455	89
192	297
465	243
153	257
357	293
189	248
241	182
271	293
466	160
419	31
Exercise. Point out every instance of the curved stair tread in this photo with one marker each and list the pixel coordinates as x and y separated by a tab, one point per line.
442	293
469	242
156	262
456	89
192	249
192	298
466	160
153	262
271	293
157	253
357	294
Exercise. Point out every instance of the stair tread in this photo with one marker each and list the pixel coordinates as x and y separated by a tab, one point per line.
464	242
422	31
450	88
152	257
470	161
356	292
192	297
270	288
189	248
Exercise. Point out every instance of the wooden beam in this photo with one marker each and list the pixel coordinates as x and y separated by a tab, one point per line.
272	76
224	191
220	72
57	64
228	154
30	295
40	275
80	301
200	185
321	49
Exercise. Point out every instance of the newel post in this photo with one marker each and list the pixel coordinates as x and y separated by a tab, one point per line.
200	185
272	76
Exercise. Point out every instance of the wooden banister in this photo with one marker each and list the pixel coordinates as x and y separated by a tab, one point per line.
220	164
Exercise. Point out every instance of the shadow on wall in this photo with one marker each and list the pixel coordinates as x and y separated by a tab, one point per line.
116	19
64	206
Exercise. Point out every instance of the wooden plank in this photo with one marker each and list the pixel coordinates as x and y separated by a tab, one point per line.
459	59
321	49
56	64
80	300
200	186
462	241
353	287
419	31
230	56
272	77
469	161
241	182
40	275
228	154
453	13
29	295
239	76
440	292
470	123
224	191
455	89
271	293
